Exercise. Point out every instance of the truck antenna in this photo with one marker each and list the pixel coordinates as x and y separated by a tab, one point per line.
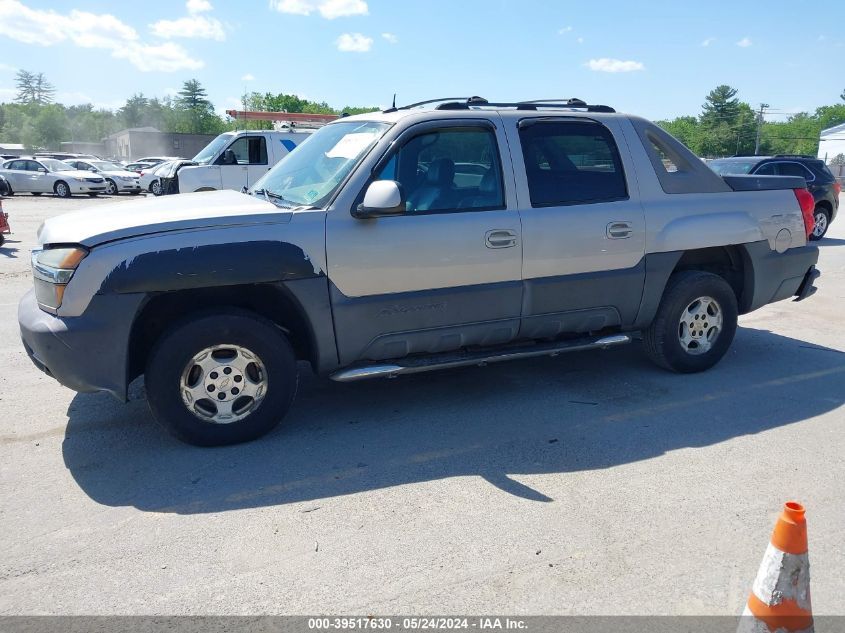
394	101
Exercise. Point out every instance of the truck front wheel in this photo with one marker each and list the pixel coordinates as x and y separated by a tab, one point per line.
221	378
695	323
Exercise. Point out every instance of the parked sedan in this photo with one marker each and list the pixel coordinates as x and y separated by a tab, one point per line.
47	175
118	178
150	180
140	166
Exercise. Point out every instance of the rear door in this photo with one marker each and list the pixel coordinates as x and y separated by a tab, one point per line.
16	174
583	232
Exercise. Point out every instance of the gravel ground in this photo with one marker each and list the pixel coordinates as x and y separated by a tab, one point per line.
593	483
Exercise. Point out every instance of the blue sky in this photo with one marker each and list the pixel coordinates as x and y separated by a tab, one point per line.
658	61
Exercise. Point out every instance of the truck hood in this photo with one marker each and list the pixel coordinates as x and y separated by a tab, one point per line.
109	222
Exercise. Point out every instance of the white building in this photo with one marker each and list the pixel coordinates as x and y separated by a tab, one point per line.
832	142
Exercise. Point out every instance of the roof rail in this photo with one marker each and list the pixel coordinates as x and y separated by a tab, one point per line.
464	103
426	102
794	156
566	104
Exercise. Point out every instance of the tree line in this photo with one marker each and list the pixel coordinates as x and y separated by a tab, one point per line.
727	126
36	121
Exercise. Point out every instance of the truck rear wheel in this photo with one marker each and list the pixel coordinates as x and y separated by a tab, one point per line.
695	323
221	378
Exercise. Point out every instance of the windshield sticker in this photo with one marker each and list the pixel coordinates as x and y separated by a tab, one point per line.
352	144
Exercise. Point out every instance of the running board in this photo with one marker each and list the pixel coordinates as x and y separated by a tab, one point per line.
446	361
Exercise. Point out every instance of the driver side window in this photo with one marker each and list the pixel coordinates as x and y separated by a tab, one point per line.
250	150
453	169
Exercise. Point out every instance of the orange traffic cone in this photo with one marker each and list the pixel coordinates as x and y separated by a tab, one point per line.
780	597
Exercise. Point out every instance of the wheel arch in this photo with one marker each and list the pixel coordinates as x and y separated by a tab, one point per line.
273	301
731	262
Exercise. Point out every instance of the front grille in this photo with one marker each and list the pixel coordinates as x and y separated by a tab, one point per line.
94	180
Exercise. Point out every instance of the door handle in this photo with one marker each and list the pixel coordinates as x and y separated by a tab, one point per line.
619	230
500	238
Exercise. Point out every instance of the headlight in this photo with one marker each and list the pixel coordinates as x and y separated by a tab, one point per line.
52	269
78	179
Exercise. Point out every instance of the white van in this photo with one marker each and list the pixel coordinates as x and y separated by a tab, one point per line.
235	160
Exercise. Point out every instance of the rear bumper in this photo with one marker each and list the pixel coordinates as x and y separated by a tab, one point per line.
84	353
778	276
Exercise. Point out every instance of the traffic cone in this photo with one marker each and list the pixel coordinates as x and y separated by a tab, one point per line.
780	598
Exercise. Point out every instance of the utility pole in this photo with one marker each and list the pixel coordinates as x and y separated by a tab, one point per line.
763	107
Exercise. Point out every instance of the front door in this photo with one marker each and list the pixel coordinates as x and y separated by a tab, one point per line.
583	233
446	273
252	163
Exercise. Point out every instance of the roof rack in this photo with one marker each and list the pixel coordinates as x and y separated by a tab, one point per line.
465	103
794	156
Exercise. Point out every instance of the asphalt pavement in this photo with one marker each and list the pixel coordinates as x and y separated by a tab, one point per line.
593	483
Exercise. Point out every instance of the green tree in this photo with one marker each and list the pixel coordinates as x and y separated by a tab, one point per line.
195	112
720	106
134	111
33	88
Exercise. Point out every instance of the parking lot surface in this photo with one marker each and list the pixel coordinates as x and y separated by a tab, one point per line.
594	483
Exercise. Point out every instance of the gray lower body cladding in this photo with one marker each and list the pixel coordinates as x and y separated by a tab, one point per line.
84	353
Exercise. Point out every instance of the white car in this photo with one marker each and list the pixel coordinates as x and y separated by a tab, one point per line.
48	175
149	180
118	178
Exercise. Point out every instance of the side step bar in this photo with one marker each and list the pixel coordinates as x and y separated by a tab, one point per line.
446	361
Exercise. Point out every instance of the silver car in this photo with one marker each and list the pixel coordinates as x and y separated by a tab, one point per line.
118	178
47	175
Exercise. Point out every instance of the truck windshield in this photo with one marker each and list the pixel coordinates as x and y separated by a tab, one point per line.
309	175
208	153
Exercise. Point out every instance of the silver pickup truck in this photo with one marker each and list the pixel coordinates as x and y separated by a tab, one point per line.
436	235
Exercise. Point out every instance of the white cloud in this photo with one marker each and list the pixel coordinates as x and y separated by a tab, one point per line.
193	25
248	77
198	6
354	43
607	65
90	30
708	41
390	37
745	42
580	40
6	68
167	57
822	38
329	9
566	29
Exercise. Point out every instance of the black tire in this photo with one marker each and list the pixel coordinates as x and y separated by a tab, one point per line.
170	360
662	341
2	239
111	187
155	187
36	193
62	191
822	219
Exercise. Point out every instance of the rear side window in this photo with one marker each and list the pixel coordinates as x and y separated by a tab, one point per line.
571	163
766	170
795	169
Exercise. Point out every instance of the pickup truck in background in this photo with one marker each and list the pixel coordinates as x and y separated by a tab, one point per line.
235	160
437	235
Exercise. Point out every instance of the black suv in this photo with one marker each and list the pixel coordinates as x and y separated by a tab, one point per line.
821	183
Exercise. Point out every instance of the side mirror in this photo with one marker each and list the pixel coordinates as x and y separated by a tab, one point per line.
43	170
383	198
92	169
229	158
